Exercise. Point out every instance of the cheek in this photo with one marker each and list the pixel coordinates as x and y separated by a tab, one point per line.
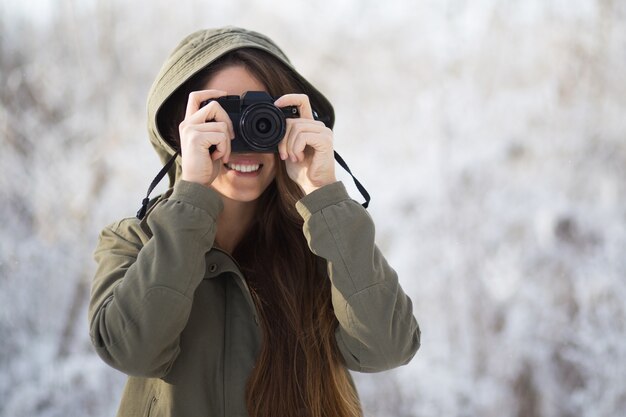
270	165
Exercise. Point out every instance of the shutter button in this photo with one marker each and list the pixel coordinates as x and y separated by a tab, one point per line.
212	268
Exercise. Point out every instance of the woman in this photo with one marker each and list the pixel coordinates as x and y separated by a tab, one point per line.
253	284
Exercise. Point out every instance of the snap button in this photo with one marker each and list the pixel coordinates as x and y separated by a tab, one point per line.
212	267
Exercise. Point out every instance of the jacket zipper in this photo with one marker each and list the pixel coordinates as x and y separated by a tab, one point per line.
243	285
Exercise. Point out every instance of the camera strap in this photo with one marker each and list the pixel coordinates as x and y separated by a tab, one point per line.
358	184
144	203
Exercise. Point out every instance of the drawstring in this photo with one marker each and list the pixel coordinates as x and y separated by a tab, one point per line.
144	204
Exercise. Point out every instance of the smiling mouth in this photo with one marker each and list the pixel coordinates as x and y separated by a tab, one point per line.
243	168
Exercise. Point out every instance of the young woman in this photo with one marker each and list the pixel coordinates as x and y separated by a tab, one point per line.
253	285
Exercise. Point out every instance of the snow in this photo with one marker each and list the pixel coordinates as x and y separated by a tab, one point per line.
491	136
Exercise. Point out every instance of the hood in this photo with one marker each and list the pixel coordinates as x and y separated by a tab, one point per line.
195	52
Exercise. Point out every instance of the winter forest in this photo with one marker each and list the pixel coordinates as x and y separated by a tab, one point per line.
490	133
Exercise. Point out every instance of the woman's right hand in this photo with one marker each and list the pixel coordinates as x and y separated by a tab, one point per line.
201	129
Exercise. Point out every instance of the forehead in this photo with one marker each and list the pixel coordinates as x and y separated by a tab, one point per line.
235	80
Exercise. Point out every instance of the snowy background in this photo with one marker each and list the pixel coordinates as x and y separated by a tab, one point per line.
490	133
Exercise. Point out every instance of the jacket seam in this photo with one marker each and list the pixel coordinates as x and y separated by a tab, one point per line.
357	360
376	284
338	246
116	229
349	274
200	258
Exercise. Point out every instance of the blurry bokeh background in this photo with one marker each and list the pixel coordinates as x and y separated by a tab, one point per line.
490	133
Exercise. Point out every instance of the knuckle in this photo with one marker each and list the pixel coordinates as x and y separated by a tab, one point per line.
184	131
194	94
211	106
298	128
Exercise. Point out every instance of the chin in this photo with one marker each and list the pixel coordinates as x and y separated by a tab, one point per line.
242	197
242	194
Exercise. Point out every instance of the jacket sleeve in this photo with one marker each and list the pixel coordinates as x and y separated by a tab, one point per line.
142	292
377	330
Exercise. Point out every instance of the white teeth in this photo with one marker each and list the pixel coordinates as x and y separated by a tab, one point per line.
244	168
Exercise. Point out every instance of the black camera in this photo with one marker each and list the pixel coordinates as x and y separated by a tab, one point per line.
259	125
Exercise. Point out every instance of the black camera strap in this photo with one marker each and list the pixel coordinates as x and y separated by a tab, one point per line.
144	204
358	184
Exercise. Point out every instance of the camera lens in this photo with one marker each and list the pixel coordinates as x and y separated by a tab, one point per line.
262	126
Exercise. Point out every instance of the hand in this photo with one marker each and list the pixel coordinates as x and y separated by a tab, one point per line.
307	148
201	129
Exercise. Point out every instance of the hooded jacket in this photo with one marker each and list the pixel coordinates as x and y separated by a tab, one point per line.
174	313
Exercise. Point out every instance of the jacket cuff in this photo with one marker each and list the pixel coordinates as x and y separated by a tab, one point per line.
321	198
199	196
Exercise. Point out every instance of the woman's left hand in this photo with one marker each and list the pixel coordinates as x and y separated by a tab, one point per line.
307	148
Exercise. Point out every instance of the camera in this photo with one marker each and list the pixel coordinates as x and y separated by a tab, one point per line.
259	125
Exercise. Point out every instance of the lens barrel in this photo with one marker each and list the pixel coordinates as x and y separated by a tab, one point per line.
262	126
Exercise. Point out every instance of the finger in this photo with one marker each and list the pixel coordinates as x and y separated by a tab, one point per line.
197	140
213	111
219	127
210	113
299	100
299	144
211	127
202	135
220	151
193	139
227	146
304	125
282	147
222	147
323	135
197	97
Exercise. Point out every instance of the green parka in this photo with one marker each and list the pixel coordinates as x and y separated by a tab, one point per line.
175	314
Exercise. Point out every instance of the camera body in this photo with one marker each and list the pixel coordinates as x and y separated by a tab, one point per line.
259	125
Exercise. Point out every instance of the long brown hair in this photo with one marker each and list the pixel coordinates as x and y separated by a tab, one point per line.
299	370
